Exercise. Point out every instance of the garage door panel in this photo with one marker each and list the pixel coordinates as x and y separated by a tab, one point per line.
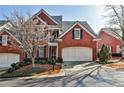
6	59
77	54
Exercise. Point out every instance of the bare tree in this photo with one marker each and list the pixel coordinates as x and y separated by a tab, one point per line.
115	15
31	35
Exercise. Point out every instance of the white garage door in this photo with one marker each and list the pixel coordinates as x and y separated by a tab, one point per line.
6	59
77	54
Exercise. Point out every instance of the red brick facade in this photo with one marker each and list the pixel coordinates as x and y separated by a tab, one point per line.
67	40
12	48
46	19
108	40
86	41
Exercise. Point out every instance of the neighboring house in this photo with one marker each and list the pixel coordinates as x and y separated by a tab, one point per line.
10	50
69	40
111	39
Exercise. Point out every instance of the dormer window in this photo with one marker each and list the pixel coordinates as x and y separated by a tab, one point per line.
4	40
77	33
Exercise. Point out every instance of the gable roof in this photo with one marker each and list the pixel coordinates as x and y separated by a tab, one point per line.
110	32
11	34
66	25
2	22
56	19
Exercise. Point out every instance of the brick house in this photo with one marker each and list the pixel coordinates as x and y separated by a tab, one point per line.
69	40
10	51
109	38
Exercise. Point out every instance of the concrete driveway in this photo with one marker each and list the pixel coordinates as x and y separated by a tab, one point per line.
97	76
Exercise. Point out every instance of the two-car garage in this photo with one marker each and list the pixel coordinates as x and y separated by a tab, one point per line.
77	54
6	59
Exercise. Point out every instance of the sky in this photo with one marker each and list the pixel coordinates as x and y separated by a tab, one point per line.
90	13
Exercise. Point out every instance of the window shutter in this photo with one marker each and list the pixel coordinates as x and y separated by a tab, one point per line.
81	34
73	34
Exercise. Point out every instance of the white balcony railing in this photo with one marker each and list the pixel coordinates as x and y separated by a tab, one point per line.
52	39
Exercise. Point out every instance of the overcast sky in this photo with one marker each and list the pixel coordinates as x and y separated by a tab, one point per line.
92	14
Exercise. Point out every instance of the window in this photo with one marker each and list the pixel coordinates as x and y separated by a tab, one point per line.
77	33
117	49
41	52
4	40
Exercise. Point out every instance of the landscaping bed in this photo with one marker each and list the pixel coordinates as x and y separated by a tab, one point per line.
117	65
29	71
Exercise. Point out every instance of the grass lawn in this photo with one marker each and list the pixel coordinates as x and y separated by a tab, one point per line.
40	69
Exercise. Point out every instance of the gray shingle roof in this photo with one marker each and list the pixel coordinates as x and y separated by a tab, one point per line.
67	24
58	19
2	22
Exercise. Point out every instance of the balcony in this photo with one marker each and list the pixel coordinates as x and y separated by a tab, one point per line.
52	41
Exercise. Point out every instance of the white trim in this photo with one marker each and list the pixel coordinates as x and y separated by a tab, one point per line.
77	29
59	40
73	26
12	36
5	25
56	51
54	28
4	40
111	35
49	16
96	39
41	20
52	44
48	52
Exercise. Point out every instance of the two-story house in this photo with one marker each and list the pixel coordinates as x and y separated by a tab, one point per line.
70	40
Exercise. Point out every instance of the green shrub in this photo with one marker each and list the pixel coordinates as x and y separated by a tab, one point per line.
104	54
27	63
21	64
40	62
13	65
17	66
48	61
10	70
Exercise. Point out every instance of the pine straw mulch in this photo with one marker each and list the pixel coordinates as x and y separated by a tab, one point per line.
117	65
41	69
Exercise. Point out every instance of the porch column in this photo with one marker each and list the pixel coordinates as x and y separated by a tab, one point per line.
48	44
57	51
48	51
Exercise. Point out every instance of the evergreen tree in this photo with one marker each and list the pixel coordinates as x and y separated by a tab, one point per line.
104	54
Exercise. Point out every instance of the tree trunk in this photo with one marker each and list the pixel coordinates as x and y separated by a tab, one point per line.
33	64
